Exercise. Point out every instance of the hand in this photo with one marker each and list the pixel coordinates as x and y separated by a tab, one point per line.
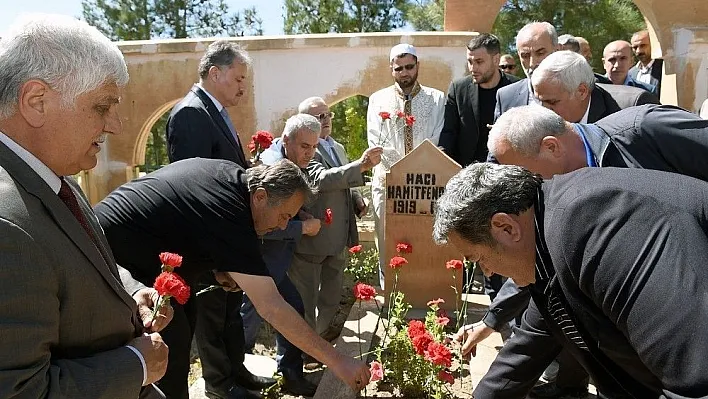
146	299
304	215
311	227
154	352
471	335
226	282
361	206
353	372
370	158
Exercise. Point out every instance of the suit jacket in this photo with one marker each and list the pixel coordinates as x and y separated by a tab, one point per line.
606	99
656	73
65	316
460	133
659	137
195	128
513	95
334	184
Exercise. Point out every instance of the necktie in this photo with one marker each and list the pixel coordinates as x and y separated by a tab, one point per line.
230	124
67	196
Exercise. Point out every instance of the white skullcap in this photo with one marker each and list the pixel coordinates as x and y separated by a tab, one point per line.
402	48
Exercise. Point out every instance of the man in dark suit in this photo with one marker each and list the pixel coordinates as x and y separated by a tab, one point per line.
200	126
647	70
471	100
603	252
534	42
565	83
617	59
69	327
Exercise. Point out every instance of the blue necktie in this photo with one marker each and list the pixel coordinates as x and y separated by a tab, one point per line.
227	119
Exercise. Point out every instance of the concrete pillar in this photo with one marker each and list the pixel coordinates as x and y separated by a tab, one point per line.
471	15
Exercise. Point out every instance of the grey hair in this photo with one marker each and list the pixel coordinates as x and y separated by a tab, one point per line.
69	55
524	127
550	29
567	68
281	181
298	122
222	54
308	103
569	40
476	193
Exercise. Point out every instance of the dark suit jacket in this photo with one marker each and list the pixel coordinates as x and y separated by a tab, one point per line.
195	128
65	316
606	99
623	244
656	73
513	95
459	137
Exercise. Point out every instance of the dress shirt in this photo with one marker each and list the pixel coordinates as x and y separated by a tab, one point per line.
644	73
587	111
328	144
216	102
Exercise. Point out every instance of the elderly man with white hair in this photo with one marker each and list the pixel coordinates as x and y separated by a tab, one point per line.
69	327
565	83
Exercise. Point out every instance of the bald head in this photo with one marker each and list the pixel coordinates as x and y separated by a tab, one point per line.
584	48
535	41
617	59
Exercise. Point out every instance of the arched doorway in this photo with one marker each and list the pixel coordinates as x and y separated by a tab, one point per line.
151	146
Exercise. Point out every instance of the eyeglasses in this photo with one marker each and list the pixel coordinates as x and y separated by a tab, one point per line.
507	66
408	67
325	115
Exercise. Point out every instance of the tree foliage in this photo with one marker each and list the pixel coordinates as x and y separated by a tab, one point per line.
342	16
425	15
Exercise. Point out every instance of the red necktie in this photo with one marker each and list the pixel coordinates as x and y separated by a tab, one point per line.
67	196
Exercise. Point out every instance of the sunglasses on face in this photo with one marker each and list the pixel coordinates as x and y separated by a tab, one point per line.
325	115
507	66
400	68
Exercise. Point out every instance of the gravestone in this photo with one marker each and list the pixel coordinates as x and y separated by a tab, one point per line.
413	184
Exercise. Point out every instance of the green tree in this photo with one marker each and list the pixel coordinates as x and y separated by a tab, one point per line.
149	19
425	15
349	128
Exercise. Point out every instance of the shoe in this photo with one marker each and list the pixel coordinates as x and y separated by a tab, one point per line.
250	381
550	391
310	363
299	386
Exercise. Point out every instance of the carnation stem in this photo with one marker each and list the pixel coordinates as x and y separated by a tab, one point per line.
161	300
391	295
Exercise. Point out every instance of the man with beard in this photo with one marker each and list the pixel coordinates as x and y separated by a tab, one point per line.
535	41
647	70
398	119
469	108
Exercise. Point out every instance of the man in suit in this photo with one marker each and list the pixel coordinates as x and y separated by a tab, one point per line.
212	212
69	327
603	252
649	137
565	83
647	70
200	126
318	265
617	59
470	103
534	42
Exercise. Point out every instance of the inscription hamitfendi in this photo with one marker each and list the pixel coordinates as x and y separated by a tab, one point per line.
417	196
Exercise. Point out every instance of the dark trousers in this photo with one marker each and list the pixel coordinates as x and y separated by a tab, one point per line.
570	373
178	337
289	356
219	336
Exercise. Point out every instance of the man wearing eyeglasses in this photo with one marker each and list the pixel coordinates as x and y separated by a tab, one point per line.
422	110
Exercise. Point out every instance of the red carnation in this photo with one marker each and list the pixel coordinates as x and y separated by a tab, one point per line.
436	302
397	261
171	285
400	114
384	115
410	119
355	249
446	376
376	371
263	139
442	320
364	292
438	354
415	328
454	264
404	248
328	216
422	342
251	147
170	260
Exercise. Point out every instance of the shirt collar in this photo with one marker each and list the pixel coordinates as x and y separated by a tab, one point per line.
645	69
49	177
590	157
587	112
327	141
216	102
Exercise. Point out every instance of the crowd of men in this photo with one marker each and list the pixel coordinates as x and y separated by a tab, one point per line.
595	254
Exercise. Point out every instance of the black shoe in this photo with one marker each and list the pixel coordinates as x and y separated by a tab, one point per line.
550	391
250	381
299	386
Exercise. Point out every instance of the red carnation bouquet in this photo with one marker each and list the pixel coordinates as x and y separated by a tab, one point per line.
260	142
169	284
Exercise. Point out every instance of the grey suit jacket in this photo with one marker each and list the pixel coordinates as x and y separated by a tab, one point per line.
513	95
65	316
334	185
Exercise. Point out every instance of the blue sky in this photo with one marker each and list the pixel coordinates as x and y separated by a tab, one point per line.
270	11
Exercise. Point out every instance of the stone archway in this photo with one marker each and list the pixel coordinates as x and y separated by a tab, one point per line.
677	28
144	134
